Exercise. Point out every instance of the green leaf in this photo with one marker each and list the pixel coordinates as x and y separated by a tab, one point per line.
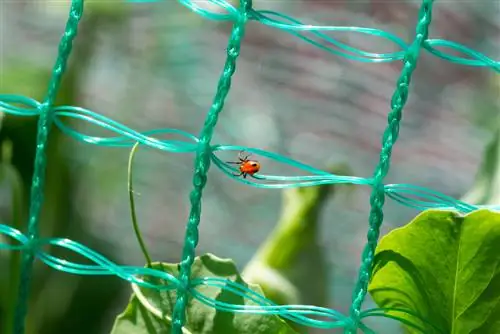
444	268
150	311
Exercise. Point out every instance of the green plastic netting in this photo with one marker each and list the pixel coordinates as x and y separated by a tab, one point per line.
31	245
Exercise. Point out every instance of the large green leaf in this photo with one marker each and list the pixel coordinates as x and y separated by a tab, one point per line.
150	311
445	268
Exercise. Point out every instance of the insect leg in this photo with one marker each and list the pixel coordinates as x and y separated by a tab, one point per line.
245	158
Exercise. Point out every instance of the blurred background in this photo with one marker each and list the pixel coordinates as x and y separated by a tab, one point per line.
156	65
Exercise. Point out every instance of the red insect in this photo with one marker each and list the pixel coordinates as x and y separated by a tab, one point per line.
247	167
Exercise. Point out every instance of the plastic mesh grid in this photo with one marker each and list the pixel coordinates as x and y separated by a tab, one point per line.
408	195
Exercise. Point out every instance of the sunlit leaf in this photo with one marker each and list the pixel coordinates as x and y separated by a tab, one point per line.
445	268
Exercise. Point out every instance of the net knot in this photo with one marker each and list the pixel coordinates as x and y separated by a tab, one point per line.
31	245
351	324
183	284
378	187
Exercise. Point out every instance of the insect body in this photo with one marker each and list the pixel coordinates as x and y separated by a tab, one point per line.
247	167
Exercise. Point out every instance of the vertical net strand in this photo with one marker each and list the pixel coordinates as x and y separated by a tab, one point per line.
390	137
37	185
202	164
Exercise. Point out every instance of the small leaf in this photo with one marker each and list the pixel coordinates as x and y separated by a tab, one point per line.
149	311
444	268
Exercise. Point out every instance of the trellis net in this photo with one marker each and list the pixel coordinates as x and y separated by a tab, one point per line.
206	155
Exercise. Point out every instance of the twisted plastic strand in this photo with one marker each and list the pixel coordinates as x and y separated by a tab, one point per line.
295	27
36	196
412	196
390	137
299	313
312	316
202	165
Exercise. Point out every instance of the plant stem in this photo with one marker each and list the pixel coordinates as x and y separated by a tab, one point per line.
132	206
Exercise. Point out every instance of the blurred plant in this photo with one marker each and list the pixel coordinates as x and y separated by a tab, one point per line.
9	290
484	104
21	133
486	188
78	304
292	254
